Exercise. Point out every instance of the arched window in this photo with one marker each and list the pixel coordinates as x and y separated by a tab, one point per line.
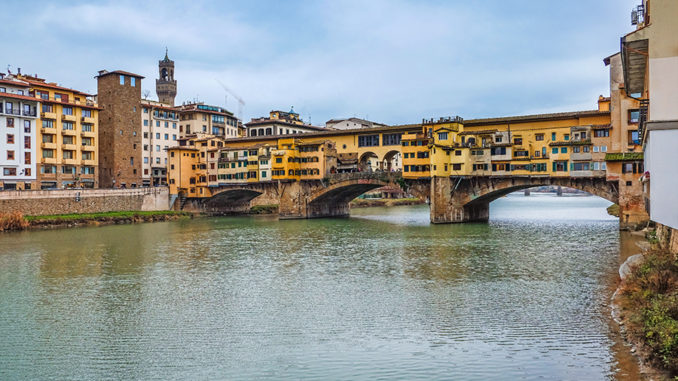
254	132
269	131
164	74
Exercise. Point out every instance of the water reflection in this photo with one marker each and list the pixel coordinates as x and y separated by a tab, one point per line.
380	295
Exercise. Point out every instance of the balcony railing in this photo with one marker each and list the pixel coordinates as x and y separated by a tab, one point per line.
642	118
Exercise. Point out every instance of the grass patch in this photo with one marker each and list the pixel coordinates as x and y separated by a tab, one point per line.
613	210
650	305
104	215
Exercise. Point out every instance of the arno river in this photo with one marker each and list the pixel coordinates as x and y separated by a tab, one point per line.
380	295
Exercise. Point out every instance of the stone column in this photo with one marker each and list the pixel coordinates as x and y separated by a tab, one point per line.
441	199
292	201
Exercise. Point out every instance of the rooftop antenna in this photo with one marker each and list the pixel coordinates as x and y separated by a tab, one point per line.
241	103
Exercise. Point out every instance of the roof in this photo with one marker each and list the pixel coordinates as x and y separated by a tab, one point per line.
17	96
194	107
34	83
103	73
269	121
535	117
358	120
14	82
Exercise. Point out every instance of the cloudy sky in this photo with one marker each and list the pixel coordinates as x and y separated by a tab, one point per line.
392	61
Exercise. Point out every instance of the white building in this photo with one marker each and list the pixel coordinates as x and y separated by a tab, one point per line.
650	64
18	115
351	123
160	131
280	123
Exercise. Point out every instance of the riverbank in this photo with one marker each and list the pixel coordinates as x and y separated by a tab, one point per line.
16	221
372	202
646	307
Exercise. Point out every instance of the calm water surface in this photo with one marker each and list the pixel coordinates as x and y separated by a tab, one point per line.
380	295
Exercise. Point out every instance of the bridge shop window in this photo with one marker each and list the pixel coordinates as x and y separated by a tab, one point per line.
553	136
368	140
539	137
560	166
498	151
392	139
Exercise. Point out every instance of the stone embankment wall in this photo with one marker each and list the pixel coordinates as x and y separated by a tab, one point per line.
47	202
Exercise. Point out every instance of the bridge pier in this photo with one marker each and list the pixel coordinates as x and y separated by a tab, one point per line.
446	208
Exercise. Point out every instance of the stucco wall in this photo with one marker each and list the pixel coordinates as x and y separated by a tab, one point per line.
46	202
661	158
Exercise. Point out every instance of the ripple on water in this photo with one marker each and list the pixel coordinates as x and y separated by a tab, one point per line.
382	295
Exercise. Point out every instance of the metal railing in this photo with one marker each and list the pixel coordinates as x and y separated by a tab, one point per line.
642	118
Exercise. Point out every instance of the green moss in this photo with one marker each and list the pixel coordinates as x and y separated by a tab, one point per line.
104	215
613	210
622	156
264	209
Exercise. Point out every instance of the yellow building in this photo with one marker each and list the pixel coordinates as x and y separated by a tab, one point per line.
67	134
193	166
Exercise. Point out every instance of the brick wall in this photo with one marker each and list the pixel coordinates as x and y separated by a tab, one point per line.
46	202
119	130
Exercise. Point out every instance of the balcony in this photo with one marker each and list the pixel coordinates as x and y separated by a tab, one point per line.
48	145
89	162
68	132
69	161
88	147
68	118
69	147
48	160
11	112
48	115
581	156
29	113
88	134
87	119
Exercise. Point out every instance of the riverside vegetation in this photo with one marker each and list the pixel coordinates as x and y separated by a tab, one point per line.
649	303
17	221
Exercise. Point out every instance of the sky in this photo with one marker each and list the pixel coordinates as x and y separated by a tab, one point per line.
390	61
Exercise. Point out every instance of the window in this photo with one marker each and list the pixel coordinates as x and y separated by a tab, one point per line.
456	167
596	166
539	137
68	140
166	124
27	126
27	157
68	155
10	155
498	150
146	122
595	148
553	136
48	153
10	121
86	127
46	108
87	155
442	136
392	139
368	140
563	149
67	125
87	113
122	79
68	110
27	142
10	139
603	148
133	82
634	116
634	137
157	148
601	133
575	149
9	172
554	150
131	161
145	160
518	141
166	136
566	136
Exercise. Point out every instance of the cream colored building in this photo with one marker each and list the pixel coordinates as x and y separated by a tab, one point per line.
199	118
649	58
160	131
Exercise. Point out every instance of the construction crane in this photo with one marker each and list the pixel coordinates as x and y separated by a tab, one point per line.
241	102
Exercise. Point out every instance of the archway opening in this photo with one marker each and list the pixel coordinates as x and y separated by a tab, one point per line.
392	161
368	162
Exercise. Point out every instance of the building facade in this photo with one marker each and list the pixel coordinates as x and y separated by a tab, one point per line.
279	123
18	132
649	58
160	131
351	123
206	120
67	133
119	95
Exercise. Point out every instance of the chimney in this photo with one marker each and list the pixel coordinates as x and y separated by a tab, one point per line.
18	70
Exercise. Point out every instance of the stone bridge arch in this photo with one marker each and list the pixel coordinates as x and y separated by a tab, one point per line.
468	199
231	200
334	200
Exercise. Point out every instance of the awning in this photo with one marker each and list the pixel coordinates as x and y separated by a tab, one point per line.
634	61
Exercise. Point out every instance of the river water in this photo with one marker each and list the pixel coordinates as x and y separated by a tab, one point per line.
380	295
